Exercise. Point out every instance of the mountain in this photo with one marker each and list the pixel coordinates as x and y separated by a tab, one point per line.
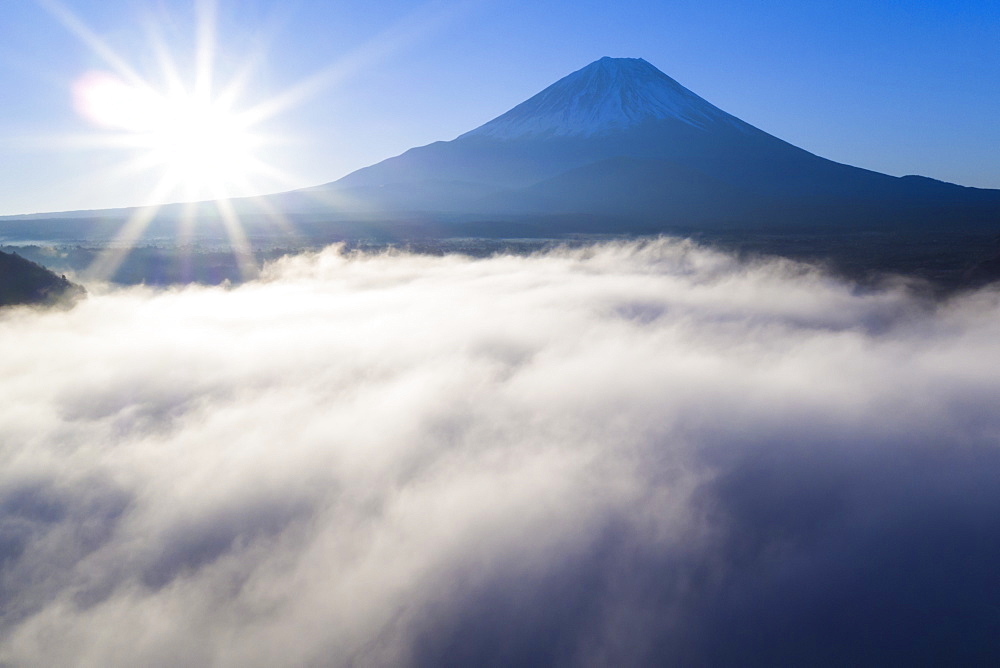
622	141
615	147
24	282
611	94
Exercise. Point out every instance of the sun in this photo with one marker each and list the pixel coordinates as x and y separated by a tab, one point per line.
195	130
194	115
203	146
201	143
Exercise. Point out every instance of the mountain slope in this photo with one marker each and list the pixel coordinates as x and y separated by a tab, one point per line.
24	282
623	111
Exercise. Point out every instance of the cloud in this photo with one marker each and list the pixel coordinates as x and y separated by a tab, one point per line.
620	454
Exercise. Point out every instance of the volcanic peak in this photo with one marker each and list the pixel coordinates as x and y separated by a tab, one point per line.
607	95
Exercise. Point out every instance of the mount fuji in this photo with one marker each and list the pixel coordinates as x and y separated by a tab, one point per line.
619	146
608	95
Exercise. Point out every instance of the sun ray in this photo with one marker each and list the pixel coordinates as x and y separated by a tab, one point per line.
238	241
205	38
168	69
99	47
111	258
250	65
81	141
186	224
199	130
398	36
276	215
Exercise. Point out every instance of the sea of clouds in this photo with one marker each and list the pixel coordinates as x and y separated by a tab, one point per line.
623	454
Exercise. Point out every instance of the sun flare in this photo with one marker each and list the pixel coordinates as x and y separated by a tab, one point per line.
196	129
202	145
198	117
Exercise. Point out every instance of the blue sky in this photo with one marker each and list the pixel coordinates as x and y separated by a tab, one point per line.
901	87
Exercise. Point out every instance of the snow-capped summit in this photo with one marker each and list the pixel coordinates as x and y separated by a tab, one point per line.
607	95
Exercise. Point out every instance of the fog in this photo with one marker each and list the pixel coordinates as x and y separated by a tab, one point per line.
615	455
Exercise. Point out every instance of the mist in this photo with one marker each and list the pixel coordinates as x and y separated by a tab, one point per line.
623	454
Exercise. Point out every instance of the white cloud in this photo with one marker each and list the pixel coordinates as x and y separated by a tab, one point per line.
619	454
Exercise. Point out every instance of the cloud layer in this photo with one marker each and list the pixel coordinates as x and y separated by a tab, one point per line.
621	454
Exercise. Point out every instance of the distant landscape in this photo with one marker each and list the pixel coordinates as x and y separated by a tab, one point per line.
616	149
615	378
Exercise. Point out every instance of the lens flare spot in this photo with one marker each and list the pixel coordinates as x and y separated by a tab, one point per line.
108	102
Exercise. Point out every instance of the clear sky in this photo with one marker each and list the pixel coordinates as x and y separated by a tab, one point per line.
901	87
